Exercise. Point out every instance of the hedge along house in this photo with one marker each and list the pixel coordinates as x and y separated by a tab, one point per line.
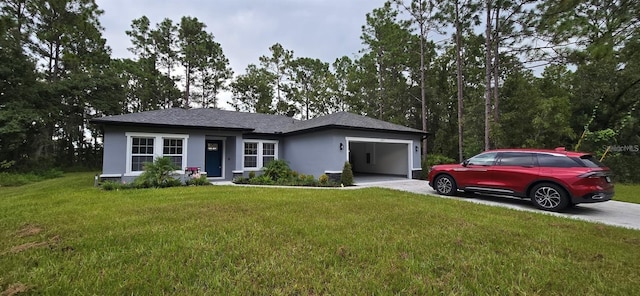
227	144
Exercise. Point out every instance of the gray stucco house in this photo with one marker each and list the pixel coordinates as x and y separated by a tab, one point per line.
226	144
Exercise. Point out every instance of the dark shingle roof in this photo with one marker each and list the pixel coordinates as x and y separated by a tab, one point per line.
349	120
249	122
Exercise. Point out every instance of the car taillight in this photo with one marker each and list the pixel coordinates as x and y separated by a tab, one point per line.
594	175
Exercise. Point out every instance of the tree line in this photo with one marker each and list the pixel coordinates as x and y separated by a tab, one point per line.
476	74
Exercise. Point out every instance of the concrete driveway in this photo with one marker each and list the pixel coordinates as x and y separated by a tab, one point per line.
612	212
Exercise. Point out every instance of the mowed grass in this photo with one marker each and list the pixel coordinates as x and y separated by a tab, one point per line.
63	236
627	193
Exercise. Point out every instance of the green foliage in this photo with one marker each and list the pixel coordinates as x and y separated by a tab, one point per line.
597	141
263	179
624	166
5	164
241	180
252	174
433	159
198	181
323	179
112	185
293	179
309	180
277	169
159	173
347	174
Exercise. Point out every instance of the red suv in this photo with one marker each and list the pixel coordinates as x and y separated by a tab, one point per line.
553	179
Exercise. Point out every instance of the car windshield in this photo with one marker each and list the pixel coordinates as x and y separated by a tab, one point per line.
590	161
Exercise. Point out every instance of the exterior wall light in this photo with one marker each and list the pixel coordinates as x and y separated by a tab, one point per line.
341	146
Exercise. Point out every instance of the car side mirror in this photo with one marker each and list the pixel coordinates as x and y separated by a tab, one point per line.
465	162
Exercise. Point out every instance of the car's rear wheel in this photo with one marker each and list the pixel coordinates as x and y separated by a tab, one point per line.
445	185
549	197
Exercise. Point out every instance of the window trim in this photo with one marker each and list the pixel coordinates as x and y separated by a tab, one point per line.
260	160
158	149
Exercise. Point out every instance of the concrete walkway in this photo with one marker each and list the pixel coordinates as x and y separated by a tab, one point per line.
612	212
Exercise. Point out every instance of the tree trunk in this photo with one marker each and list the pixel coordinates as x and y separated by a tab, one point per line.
496	71
380	96
187	85
459	77
423	100
487	92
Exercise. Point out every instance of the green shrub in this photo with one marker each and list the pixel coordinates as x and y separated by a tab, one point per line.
309	180
241	180
111	185
261	180
158	174
323	179
277	169
435	159
347	174
624	167
252	174
199	181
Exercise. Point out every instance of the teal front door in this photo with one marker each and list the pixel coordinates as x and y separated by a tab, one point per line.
213	158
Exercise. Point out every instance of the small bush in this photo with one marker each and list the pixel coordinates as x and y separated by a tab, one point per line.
241	180
158	174
435	159
347	174
111	185
252	174
309	180
199	181
277	169
261	180
323	179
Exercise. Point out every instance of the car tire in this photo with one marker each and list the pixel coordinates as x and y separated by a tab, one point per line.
445	185
549	197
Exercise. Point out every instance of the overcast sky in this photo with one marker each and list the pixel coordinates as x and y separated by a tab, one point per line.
324	29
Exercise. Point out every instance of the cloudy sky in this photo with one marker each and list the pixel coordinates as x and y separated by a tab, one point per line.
324	29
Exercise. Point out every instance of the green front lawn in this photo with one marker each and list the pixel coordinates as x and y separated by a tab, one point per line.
63	236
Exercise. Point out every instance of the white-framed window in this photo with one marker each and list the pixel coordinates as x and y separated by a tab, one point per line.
172	148
258	153
141	152
145	147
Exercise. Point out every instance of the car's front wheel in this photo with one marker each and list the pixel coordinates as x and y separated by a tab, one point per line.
550	197
445	185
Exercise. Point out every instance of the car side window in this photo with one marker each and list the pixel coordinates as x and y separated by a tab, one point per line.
516	159
557	161
483	159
